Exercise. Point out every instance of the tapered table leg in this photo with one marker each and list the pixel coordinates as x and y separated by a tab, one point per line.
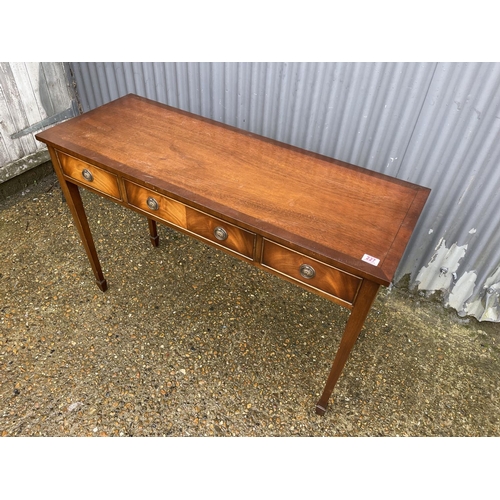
365	299
75	204
153	233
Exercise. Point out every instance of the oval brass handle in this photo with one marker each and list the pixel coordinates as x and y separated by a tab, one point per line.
87	175
152	203
307	271
220	233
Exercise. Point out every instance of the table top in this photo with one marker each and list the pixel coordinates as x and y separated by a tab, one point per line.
337	211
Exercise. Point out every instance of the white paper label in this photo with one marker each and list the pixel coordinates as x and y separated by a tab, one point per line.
371	260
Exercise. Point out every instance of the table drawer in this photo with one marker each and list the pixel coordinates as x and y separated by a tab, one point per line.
221	233
156	204
90	175
311	272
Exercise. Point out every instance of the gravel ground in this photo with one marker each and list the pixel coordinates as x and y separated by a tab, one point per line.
189	341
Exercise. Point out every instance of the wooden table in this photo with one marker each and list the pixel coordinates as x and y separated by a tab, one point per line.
335	229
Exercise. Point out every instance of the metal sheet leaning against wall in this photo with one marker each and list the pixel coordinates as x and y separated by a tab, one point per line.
455	149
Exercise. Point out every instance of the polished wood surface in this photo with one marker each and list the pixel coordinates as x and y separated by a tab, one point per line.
99	180
352	330
239	240
153	233
75	204
335	229
168	210
339	211
343	287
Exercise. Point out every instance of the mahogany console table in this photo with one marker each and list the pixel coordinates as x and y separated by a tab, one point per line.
335	229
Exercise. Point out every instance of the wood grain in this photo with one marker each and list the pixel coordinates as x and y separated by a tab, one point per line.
325	206
168	210
279	207
367	295
238	239
335	282
102	181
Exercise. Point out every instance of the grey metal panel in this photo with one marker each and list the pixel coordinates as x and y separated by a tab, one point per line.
435	124
363	113
455	149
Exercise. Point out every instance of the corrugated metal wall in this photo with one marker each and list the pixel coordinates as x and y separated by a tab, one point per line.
436	124
33	95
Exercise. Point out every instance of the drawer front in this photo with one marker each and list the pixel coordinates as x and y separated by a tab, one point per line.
221	233
90	175
156	204
311	272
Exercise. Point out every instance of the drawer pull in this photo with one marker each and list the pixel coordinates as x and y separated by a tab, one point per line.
307	271
220	233
152	203
87	175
